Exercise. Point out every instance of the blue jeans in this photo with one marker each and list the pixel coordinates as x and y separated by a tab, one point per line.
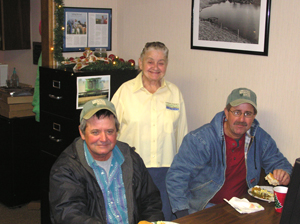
159	178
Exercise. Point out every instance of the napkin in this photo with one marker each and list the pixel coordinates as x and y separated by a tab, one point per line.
243	206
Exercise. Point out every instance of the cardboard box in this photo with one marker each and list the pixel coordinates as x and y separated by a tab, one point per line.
15	106
16	110
15	99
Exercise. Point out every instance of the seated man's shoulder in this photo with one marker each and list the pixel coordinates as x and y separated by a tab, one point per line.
205	130
127	150
70	151
212	128
124	146
69	155
261	132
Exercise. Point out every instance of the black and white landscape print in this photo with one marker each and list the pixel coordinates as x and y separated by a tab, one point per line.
230	24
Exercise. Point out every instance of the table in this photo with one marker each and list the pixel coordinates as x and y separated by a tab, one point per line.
224	213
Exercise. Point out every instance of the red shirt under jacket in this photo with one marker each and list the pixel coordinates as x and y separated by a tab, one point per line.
235	175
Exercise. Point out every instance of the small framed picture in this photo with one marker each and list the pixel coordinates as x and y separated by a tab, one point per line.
92	87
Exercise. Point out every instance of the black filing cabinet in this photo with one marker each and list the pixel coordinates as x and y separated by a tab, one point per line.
60	94
19	161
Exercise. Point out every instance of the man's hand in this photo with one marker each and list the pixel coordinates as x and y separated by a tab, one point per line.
282	176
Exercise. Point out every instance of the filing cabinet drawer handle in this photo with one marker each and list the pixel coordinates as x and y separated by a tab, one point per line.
55	97
55	139
56	126
56	84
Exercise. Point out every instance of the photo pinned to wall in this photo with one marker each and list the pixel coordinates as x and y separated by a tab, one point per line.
87	28
92	87
237	26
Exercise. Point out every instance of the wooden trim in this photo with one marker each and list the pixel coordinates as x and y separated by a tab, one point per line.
47	15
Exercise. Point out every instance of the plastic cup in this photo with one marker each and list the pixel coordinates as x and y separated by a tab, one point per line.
279	196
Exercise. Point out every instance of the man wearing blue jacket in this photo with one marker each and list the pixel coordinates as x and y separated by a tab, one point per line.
223	158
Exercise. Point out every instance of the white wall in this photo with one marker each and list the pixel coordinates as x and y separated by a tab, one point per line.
205	77
23	59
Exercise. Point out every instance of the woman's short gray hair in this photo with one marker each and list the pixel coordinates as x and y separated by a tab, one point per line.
156	46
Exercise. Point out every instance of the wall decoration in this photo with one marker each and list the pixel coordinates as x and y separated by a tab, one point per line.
90	60
92	87
87	28
238	26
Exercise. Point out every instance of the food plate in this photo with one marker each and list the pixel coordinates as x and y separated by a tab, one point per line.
268	188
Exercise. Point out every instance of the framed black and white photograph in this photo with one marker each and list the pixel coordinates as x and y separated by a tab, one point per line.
237	26
87	28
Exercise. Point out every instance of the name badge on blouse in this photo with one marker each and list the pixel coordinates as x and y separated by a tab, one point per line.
172	106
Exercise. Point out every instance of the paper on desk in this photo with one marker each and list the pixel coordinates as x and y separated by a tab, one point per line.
243	206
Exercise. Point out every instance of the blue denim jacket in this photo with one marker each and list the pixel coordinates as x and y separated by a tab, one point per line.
198	170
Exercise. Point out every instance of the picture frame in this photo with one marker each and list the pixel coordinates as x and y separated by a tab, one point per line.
230	26
87	28
92	87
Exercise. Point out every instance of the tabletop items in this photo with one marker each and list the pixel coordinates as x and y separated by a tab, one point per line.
16	102
280	194
226	214
243	205
264	193
14	79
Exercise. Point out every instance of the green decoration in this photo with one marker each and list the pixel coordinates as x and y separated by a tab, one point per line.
58	30
277	203
99	65
102	66
89	62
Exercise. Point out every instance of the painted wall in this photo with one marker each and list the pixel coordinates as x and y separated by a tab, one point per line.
23	59
205	77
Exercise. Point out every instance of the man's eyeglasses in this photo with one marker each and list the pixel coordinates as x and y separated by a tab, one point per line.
238	113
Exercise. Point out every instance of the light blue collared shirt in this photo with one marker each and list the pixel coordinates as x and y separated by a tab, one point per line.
112	186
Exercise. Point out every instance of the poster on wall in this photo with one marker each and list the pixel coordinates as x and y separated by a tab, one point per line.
92	87
87	28
237	26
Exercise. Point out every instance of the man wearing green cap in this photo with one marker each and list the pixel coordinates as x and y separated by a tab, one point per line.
98	179
224	158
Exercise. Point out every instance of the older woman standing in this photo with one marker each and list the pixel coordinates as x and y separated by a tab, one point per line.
152	115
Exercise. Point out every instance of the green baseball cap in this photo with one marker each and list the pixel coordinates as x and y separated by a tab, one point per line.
242	95
93	106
